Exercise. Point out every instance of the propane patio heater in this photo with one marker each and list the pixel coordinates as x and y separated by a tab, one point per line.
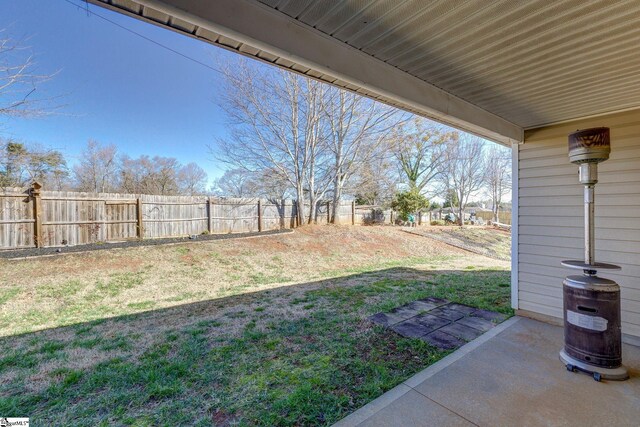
592	336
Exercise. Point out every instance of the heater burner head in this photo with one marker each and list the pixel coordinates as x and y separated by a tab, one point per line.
589	145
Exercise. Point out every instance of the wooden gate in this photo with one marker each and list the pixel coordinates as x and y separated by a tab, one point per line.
121	219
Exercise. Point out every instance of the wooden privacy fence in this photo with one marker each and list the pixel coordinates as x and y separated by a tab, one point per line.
370	215
33	217
503	216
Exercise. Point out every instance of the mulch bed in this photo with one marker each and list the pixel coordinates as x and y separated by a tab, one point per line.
439	322
52	251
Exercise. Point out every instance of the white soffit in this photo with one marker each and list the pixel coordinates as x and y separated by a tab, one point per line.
532	62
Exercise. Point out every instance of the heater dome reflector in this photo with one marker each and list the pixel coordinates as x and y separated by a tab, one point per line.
589	145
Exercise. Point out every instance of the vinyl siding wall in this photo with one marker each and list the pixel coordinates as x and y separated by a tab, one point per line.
551	215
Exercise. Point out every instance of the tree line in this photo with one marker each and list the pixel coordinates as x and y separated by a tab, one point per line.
100	169
292	136
289	136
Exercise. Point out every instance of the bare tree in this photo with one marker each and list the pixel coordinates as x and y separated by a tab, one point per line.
160	175
462	169
19	81
192	179
235	183
20	165
97	168
241	183
147	175
375	182
132	175
497	176
271	184
357	127
275	119
419	147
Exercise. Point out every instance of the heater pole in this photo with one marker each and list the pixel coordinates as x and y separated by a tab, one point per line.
589	225
588	176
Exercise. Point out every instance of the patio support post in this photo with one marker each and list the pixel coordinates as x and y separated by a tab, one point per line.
514	224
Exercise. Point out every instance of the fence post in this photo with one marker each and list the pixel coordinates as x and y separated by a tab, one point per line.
283	212
259	215
209	216
139	225
37	214
353	212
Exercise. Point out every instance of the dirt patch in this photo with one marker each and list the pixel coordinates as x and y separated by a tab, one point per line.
487	241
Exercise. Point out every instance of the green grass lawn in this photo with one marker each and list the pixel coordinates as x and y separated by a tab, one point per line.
264	331
300	355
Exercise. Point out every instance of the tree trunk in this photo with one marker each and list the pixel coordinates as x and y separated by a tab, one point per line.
460	217
300	205
313	210
337	196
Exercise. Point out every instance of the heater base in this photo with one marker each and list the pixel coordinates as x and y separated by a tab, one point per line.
598	373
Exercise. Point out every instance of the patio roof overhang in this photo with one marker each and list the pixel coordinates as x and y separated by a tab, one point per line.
490	68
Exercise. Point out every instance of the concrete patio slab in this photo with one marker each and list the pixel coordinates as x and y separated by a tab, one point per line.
510	375
416	409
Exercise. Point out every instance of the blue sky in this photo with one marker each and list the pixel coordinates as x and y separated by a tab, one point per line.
117	87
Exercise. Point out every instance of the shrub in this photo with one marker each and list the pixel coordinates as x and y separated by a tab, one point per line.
408	202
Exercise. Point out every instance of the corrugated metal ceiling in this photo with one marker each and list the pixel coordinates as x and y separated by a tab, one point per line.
531	62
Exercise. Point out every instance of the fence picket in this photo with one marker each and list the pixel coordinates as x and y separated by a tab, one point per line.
74	218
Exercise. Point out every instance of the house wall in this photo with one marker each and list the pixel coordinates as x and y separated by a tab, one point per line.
550	215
